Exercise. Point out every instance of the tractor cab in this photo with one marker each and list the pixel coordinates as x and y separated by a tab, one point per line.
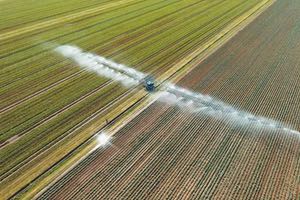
149	84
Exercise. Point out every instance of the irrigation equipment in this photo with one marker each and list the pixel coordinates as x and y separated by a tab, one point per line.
168	92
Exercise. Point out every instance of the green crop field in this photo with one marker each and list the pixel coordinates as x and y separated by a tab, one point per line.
47	103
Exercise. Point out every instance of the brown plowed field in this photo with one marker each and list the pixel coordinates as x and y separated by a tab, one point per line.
167	153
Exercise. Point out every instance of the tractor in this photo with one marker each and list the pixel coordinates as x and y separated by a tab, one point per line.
149	84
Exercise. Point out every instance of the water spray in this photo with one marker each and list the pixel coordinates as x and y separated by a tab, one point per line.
103	140
169	93
101	66
206	105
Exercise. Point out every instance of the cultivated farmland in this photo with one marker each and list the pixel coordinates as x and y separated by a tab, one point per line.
168	153
48	106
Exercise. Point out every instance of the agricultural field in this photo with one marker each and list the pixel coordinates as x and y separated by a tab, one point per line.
49	106
169	153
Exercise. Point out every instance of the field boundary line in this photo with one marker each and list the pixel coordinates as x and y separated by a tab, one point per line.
175	74
52	22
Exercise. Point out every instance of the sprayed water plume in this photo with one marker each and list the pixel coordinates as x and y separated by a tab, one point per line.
101	66
206	105
103	140
120	67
